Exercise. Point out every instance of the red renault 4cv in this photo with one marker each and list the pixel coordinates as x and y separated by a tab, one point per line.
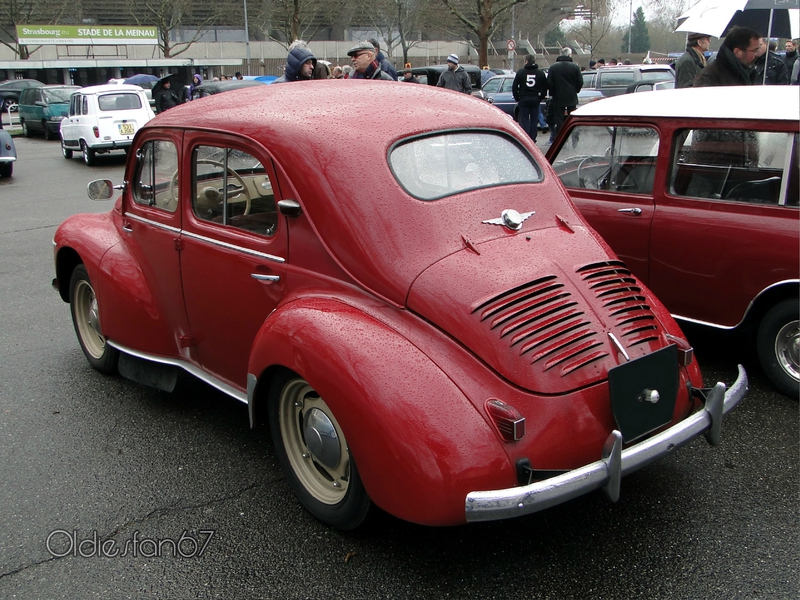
410	300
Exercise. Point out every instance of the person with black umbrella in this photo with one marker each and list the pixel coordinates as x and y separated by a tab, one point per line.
165	98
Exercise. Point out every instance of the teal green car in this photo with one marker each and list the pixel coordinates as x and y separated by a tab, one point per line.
42	108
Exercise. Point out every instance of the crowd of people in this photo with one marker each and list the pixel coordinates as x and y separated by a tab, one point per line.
745	58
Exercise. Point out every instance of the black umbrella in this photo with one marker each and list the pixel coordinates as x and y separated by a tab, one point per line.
175	83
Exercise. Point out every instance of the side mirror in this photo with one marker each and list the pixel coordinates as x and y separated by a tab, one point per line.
40	103
100	189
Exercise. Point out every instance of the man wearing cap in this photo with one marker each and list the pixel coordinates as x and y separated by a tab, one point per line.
300	65
386	65
455	78
365	64
693	60
408	76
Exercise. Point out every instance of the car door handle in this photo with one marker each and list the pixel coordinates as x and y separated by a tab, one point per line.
261	277
633	211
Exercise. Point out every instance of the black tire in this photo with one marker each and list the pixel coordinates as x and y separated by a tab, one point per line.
6	169
88	154
778	344
25	131
86	320
48	135
66	152
300	418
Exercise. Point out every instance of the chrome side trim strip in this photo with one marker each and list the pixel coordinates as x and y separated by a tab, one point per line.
189	368
170	228
203	238
214	242
605	473
746	312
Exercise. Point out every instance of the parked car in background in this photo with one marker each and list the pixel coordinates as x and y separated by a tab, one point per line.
41	109
613	81
651	86
497	91
698	195
102	119
442	320
430	75
8	153
209	88
11	89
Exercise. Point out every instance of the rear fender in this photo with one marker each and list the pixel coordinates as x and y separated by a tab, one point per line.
419	443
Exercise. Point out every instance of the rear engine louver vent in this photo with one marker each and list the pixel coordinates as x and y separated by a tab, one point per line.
614	285
542	319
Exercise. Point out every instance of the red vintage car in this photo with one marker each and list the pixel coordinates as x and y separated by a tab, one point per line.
392	277
696	190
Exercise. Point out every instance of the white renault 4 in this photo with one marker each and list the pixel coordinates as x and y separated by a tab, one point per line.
103	118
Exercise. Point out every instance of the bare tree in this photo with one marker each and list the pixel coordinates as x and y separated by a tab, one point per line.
398	22
170	15
597	27
662	22
27	12
481	17
285	21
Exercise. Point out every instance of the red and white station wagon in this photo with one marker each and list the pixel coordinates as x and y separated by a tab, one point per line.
697	191
410	300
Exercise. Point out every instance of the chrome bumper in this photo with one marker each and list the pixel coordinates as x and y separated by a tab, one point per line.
607	472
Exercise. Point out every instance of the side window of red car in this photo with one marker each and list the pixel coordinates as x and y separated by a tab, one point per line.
734	164
156	182
232	187
613	159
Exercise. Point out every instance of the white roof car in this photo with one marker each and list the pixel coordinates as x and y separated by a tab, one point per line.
737	102
103	118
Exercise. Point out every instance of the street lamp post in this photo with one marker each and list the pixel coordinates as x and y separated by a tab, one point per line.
246	38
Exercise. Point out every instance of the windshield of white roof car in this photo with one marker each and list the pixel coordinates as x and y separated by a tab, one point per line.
436	166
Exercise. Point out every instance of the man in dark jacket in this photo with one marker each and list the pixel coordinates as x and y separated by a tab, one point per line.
386	65
693	60
529	87
777	74
300	64
564	80
734	62
791	54
365	63
455	78
166	98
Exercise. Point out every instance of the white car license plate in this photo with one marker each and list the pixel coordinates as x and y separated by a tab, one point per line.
126	128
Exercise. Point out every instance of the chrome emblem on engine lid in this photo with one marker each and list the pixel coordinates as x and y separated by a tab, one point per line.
511	219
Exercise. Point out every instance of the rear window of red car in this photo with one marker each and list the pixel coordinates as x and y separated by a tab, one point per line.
436	166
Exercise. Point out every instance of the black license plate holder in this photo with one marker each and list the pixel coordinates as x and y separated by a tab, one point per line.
632	386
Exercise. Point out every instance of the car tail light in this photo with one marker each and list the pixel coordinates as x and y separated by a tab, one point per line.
509	422
96	131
